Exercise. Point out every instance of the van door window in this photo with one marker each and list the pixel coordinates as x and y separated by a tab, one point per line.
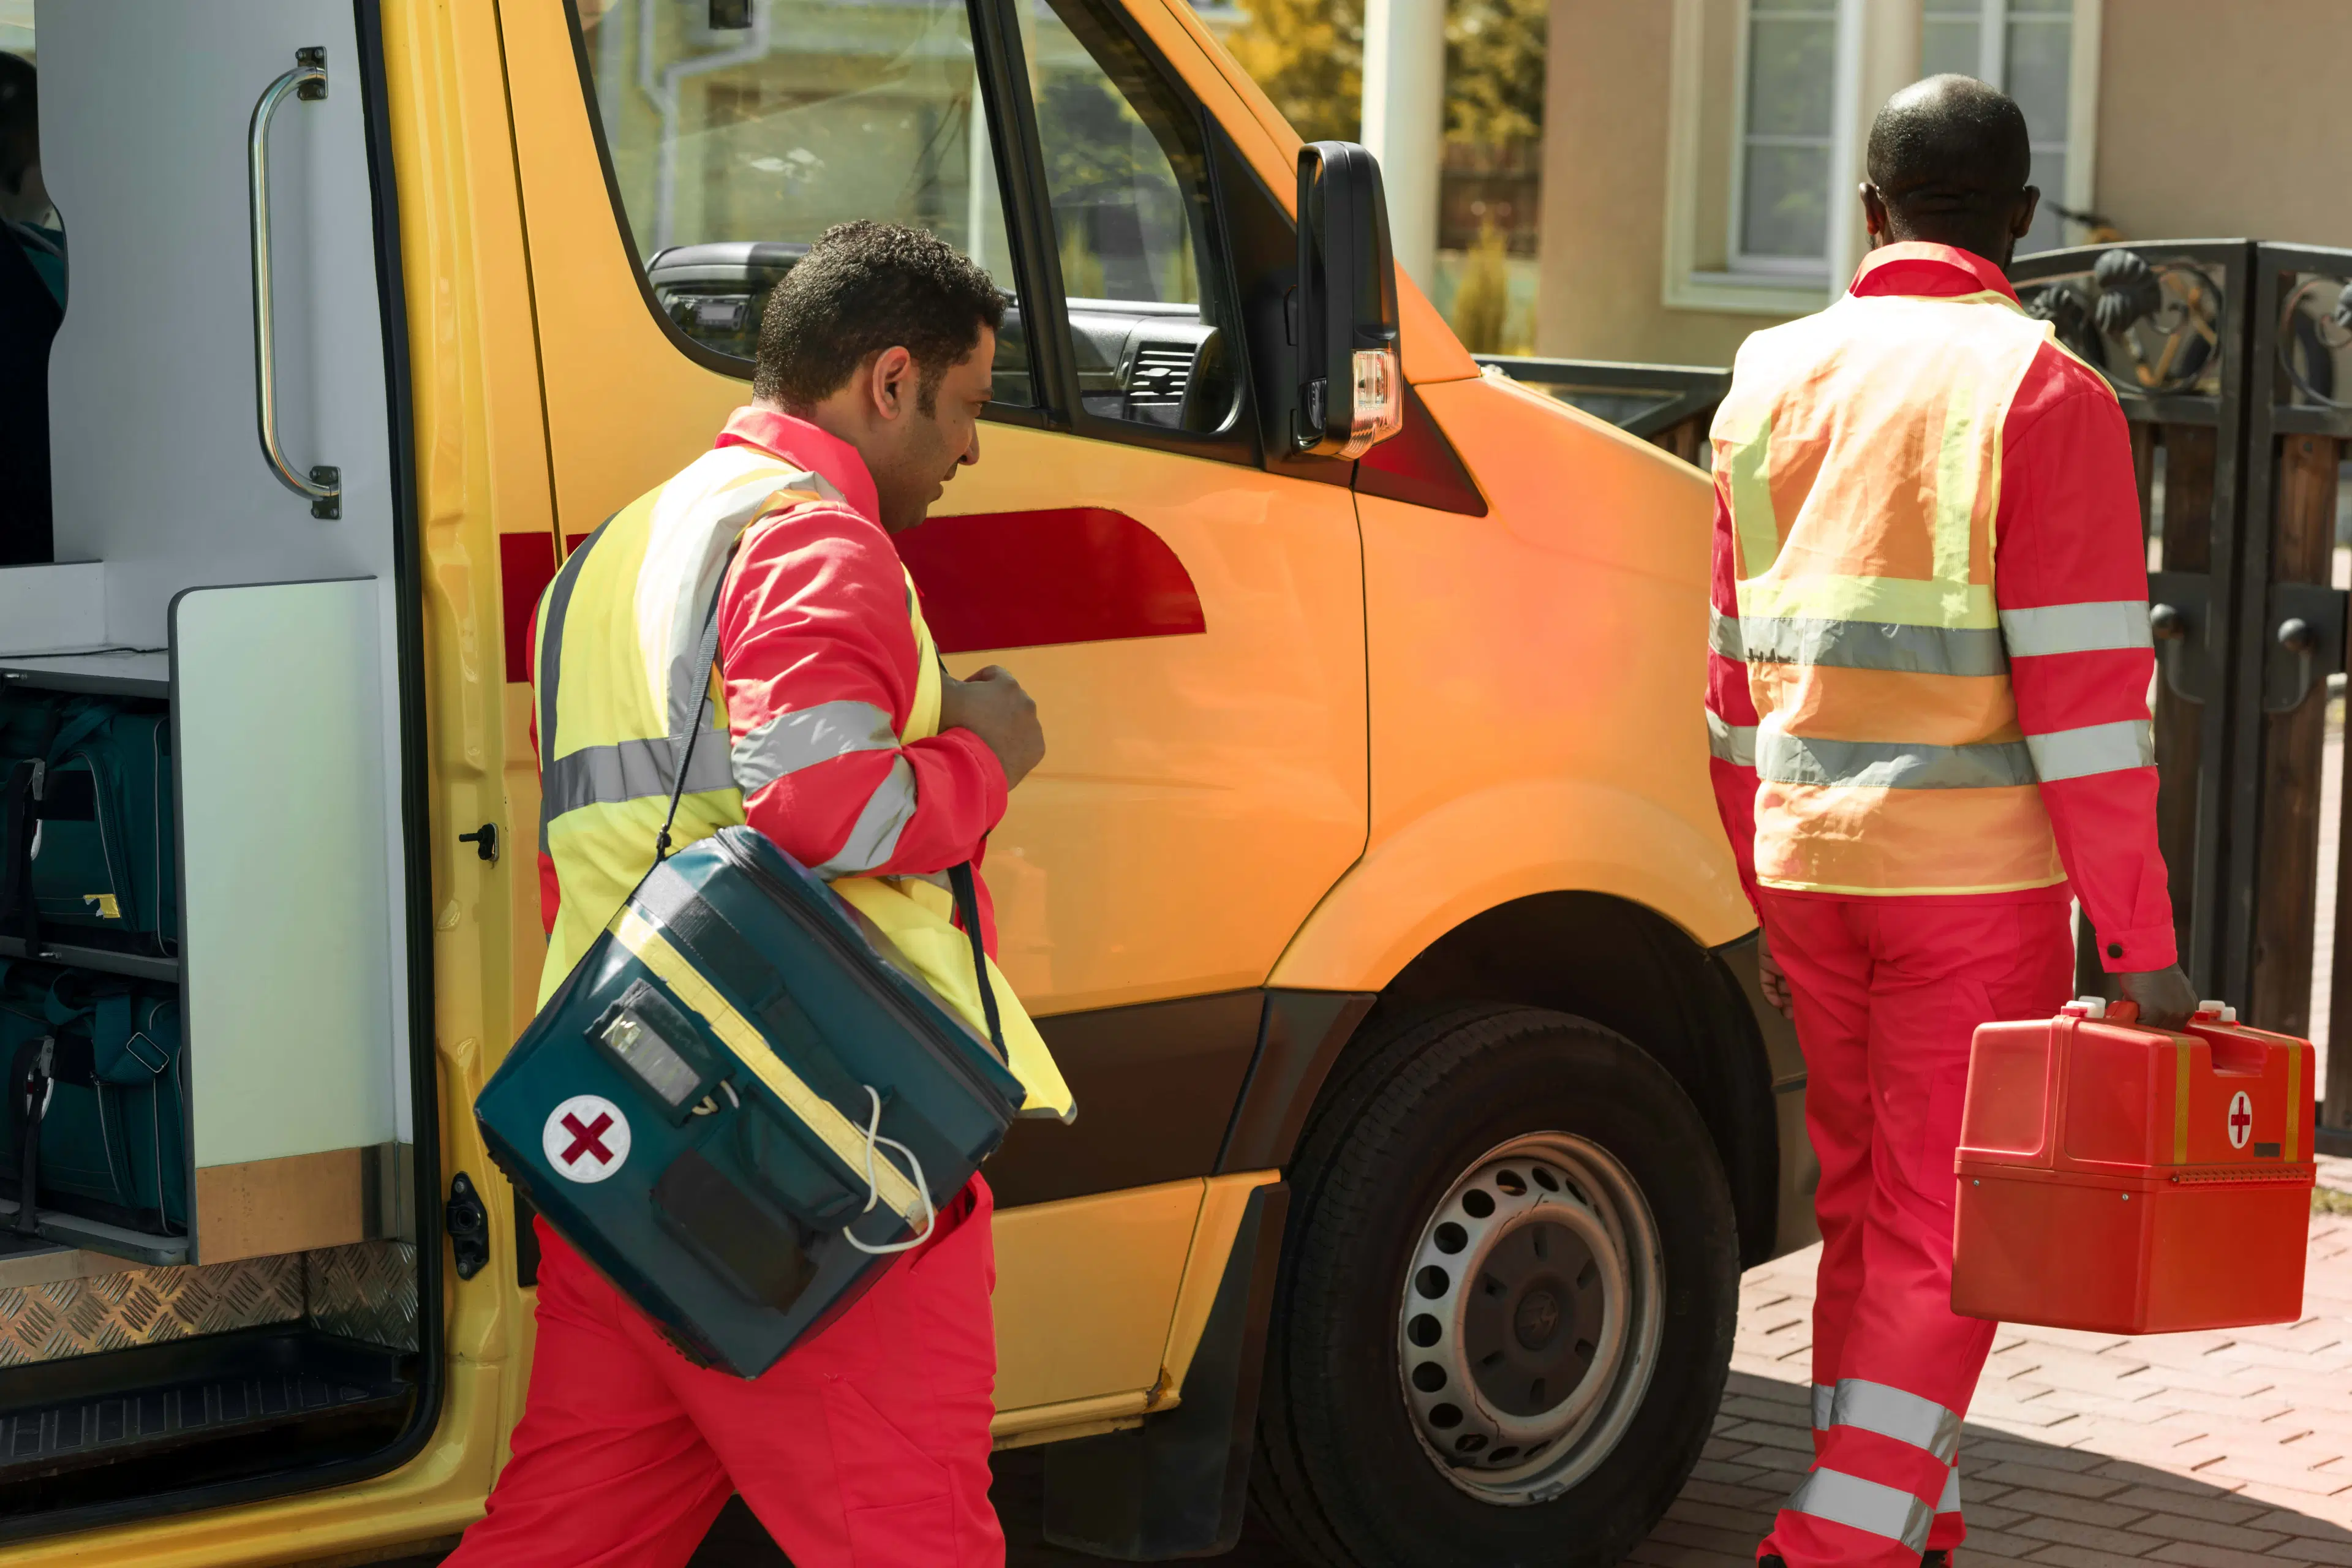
1127	176
737	134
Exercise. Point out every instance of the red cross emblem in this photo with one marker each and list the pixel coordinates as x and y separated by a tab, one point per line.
586	1138
2242	1119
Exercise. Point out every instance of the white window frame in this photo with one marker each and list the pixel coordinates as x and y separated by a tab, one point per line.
1810	269
1771	286
2082	96
1684	286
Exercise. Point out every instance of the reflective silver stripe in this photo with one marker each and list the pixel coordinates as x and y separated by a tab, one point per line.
1951	1501
626	771
1864	1505
1783	758
1823	1394
874	837
2076	628
1891	1413
1733	744
2094	748
1872	645
807	736
1723	634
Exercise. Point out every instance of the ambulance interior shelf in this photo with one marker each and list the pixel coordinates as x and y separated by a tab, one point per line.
239	1096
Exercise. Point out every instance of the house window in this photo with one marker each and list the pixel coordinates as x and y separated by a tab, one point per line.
2025	48
1788	125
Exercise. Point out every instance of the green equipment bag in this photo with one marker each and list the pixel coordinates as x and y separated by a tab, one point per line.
105	859
736	1106
97	1096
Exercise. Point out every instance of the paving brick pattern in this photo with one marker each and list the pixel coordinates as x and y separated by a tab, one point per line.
2224	1450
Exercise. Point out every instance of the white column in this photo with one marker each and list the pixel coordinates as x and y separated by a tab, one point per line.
1404	122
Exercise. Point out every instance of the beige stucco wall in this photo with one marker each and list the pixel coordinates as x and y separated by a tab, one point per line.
1605	107
2228	119
2212	121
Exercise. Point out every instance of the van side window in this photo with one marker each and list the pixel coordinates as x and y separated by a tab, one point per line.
1127	176
737	134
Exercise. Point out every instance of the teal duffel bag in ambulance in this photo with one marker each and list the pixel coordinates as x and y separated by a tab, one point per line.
736	1106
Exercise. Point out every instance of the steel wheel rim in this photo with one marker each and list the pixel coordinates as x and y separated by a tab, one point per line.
1529	1319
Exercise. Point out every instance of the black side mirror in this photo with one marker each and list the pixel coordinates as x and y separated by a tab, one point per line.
1350	380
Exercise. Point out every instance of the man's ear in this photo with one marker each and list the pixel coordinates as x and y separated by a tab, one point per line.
1874	212
2022	219
892	382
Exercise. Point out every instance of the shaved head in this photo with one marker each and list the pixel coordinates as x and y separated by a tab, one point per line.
1948	162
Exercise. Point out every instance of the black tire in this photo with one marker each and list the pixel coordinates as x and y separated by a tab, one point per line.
1347	1471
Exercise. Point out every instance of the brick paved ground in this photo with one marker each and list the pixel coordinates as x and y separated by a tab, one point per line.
2227	1450
2082	1450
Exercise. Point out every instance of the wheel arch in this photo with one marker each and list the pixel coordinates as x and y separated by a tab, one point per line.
1595	955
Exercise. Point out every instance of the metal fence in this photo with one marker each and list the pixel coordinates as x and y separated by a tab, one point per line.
2226	356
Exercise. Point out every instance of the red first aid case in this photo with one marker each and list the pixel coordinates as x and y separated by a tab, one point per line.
2130	1180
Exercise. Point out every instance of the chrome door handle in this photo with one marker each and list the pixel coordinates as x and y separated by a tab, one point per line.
323	486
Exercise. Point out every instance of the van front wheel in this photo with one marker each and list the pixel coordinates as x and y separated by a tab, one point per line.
1507	1304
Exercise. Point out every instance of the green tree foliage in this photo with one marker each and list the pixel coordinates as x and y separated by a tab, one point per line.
1308	55
1494	71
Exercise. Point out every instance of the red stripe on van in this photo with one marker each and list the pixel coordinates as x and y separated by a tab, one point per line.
1030	579
526	562
526	566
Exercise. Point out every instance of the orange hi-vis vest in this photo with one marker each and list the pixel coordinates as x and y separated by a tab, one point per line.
1859	455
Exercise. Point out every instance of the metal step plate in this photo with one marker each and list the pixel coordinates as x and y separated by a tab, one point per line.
98	1409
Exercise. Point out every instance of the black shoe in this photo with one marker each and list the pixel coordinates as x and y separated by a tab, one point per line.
1773	1561
1939	1558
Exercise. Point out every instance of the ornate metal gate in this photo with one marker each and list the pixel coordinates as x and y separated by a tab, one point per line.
2226	356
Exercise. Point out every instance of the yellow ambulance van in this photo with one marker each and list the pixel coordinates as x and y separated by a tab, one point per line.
1371	897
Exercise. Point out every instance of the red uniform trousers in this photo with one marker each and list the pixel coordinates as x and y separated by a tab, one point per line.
1888	993
864	1447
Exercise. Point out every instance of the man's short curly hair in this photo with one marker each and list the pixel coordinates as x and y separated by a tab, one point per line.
865	287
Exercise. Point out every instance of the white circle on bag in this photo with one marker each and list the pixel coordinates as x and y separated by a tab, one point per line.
586	1138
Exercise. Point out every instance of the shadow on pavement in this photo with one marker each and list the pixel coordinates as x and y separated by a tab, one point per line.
2027	1501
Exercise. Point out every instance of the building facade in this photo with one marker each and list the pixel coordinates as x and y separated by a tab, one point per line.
1700	156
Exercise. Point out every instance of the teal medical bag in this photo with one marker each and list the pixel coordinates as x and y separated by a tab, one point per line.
736	1106
91	855
97	1095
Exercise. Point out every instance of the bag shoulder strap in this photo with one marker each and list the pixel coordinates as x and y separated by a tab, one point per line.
682	739
967	897
81	724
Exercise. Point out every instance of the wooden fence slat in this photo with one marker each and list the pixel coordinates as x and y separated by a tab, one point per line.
2293	747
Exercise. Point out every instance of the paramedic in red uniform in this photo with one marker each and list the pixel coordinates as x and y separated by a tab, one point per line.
869	1444
1927	701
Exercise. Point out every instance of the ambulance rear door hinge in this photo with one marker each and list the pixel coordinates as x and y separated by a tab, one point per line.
468	1225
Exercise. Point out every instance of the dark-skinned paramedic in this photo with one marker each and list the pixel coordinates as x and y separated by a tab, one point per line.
1928	700
868	1445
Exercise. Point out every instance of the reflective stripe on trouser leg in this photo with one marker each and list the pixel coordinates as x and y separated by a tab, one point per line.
1891	1412
1949	1529
1858	1504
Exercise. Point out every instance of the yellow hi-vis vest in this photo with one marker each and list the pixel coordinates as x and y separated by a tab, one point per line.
618	637
1860	452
